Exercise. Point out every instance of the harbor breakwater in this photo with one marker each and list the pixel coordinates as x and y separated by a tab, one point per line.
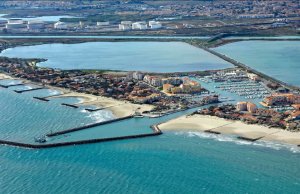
156	132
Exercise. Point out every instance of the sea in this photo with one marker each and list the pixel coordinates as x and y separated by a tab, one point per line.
175	162
279	59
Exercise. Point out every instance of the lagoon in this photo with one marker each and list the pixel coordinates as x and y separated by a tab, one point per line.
279	59
123	56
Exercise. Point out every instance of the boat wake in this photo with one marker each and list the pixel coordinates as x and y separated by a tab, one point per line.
228	138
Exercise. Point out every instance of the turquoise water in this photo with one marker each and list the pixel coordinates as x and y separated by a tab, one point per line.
23	118
279	59
128	56
171	163
175	162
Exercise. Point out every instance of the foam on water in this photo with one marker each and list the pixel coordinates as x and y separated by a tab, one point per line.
99	116
230	138
53	92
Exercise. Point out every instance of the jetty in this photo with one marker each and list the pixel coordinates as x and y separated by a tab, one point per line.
41	99
250	139
213	132
7	86
73	143
70	105
100	108
29	90
156	132
87	126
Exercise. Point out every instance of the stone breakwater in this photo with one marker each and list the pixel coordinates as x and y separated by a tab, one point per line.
156	132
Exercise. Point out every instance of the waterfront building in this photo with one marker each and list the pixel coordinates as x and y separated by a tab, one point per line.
139	26
253	76
295	115
176	90
35	25
61	25
251	107
167	87
241	106
155	25
125	25
296	106
15	24
281	99
138	75
211	99
156	81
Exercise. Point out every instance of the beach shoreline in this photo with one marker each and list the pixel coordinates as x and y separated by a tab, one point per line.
218	125
117	107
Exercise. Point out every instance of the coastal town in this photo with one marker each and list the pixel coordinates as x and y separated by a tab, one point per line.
278	106
136	87
150	96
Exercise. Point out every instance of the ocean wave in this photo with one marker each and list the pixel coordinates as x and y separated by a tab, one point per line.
228	138
54	92
99	116
27	87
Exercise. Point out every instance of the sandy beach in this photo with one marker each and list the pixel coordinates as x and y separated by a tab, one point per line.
4	76
215	124
119	108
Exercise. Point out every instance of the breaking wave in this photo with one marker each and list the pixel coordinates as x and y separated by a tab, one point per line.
228	138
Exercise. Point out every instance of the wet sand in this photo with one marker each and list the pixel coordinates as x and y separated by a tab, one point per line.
215	124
